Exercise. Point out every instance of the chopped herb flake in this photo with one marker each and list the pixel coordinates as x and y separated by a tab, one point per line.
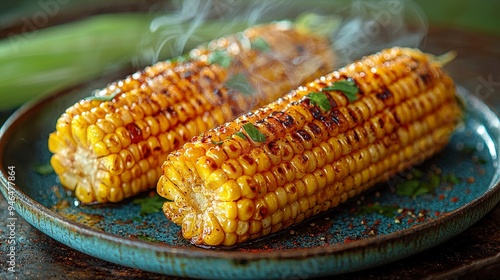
451	178
44	169
385	210
240	83
241	135
147	238
349	88
408	188
220	57
218	143
150	204
104	98
321	100
260	44
254	133
419	186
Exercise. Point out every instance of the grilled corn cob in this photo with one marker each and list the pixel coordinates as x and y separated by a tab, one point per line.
111	146
311	150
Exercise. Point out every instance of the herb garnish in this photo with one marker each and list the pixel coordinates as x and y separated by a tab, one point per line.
254	133
418	184
321	100
220	57
147	238
44	169
385	210
240	83
104	98
241	135
347	87
260	44
150	204
218	143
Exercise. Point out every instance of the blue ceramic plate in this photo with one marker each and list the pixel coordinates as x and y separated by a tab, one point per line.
382	226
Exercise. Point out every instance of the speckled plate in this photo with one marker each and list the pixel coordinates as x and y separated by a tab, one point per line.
377	228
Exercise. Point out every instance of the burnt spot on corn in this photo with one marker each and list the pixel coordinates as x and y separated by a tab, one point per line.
353	115
284	119
272	126
186	74
263	211
315	129
273	148
384	95
145	150
301	135
248	159
313	109
134	132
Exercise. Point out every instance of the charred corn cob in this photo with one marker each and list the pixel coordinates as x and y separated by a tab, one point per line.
111	146
311	150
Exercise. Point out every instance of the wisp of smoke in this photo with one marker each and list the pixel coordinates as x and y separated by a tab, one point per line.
363	26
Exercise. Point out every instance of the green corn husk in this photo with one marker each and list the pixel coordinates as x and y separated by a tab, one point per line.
38	63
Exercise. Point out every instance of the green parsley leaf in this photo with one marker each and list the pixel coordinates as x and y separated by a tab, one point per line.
240	83
220	57
147	238
44	169
321	100
218	143
407	188
385	210
254	133
241	135
417	187
150	204
104	98
452	179
260	44
349	88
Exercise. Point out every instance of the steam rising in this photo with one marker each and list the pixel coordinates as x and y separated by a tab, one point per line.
365	26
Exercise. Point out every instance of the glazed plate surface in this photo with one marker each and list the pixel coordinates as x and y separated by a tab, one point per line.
379	227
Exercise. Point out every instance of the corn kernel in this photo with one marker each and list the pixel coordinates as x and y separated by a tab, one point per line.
229	191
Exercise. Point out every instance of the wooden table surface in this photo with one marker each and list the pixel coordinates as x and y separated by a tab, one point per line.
473	254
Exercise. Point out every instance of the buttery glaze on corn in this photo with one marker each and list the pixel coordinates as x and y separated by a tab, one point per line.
226	190
107	151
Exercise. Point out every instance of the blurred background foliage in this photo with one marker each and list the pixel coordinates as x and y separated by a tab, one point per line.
47	45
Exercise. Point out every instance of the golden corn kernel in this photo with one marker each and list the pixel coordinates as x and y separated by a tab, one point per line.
271	202
277	217
230	239
100	149
113	163
205	166
229	226
214	235
112	143
216	179
248	164
229	191
232	168
94	134
311	184
248	186
242	228
246	209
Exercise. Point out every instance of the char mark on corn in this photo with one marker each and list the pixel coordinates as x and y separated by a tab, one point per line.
111	146
228	186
